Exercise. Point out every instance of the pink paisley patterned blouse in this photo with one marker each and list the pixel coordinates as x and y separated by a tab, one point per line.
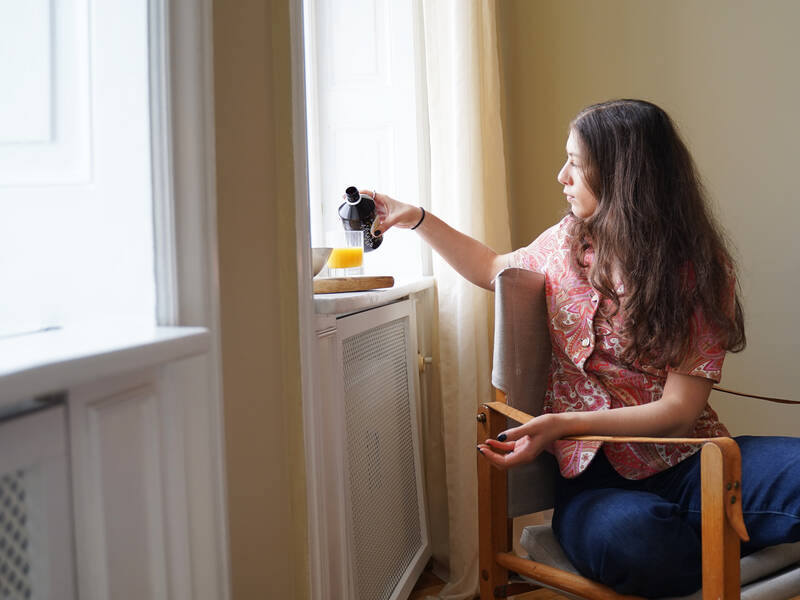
586	372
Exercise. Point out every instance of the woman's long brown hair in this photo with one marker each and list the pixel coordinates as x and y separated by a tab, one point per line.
652	224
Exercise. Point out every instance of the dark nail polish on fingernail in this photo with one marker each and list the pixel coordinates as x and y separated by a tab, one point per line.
377	232
479	449
501	437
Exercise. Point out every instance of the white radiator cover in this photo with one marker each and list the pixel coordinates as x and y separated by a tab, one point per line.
369	393
36	536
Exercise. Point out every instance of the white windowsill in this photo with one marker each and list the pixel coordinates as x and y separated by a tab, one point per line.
349	302
54	361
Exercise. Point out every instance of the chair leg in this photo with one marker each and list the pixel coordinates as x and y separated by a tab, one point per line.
720	479
492	510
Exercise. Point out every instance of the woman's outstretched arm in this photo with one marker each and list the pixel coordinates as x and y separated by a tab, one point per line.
472	259
674	415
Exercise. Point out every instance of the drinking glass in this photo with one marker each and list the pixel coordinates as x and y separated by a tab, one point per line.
347	255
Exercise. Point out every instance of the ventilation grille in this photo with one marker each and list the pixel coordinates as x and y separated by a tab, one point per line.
15	580
386	529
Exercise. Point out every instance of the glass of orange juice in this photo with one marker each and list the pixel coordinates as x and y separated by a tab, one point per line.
347	255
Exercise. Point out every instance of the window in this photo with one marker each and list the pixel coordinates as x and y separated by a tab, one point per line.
364	118
76	216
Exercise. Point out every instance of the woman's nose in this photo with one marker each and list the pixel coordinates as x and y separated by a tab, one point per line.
562	176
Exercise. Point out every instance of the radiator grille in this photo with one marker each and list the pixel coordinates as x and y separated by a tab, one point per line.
386	529
15	580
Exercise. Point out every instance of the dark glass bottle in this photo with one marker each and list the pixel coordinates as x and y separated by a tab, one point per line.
358	214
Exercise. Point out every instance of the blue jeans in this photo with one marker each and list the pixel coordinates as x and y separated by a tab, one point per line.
643	537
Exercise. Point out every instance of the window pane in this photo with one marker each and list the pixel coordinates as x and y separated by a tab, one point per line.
363	117
76	241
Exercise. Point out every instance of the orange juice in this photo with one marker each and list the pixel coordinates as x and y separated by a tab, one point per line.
344	258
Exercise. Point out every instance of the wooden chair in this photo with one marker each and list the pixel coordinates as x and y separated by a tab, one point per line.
521	361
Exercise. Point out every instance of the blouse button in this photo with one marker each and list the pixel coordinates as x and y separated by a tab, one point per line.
585	342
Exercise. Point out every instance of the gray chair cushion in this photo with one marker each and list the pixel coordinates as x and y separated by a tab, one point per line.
522	353
769	574
769	560
776	587
520	368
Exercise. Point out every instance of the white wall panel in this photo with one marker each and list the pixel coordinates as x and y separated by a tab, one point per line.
45	124
124	434
25	70
118	487
355	36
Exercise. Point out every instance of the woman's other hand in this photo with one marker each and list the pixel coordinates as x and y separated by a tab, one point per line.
521	444
392	212
511	453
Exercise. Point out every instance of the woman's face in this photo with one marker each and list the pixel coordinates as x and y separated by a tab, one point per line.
578	194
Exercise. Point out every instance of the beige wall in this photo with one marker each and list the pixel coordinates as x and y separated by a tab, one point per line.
727	73
257	267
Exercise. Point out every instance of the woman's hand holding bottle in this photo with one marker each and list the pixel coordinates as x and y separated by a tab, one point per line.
393	213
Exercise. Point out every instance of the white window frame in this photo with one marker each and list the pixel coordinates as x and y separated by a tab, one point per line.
186	245
185	240
321	212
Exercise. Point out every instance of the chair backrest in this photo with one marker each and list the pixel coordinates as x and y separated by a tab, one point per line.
522	357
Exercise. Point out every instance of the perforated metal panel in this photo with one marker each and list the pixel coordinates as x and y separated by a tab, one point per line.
15	579
386	528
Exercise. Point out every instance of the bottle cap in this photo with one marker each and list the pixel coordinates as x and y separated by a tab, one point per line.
353	195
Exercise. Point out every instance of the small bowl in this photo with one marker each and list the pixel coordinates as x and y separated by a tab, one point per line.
319	256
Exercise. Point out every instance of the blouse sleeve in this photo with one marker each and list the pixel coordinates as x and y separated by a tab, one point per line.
706	353
534	256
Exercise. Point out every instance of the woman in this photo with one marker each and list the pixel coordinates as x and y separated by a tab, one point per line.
642	302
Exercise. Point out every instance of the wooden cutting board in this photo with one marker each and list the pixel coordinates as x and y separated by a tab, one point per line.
332	285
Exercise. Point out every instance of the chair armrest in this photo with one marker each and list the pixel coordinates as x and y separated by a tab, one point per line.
727	447
522	417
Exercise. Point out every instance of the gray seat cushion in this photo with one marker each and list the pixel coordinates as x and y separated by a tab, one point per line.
541	544
769	574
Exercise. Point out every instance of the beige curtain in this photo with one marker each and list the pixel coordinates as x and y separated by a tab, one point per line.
468	190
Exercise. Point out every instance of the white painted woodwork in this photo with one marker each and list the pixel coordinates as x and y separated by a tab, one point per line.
53	361
130	489
143	510
196	381
162	172
195	554
147	452
330	517
25	102
350	302
119	517
45	112
36	444
325	443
